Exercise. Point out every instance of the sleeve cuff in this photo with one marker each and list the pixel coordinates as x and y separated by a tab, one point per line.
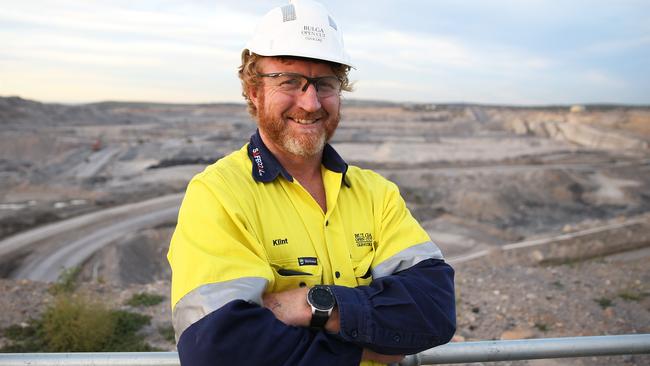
354	314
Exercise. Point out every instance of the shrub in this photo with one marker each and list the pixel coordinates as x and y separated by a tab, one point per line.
167	332
604	302
124	337
24	338
76	324
632	296
144	299
542	327
67	281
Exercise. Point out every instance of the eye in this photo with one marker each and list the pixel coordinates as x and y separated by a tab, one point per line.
290	81
328	84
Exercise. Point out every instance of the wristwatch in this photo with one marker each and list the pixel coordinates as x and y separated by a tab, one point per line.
322	302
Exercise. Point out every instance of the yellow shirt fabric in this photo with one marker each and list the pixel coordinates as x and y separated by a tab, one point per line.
232	226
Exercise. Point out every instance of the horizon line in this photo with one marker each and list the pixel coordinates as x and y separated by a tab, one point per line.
348	101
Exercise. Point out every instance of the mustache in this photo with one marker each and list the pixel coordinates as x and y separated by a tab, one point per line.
320	114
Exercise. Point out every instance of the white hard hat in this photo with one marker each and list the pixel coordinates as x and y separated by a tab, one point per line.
302	28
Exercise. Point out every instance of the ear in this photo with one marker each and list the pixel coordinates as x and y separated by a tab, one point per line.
253	94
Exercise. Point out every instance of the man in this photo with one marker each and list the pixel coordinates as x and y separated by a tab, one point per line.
284	254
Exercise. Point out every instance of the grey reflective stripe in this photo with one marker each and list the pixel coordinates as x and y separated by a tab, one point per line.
207	298
288	13
407	258
331	21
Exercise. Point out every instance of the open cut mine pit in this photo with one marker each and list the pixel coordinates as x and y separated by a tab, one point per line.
484	181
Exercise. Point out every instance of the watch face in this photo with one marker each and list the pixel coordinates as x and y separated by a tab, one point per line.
321	298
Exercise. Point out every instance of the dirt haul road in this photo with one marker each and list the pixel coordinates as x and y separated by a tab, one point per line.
47	250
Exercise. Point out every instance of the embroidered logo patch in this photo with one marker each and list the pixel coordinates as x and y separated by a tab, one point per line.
258	160
363	239
307	261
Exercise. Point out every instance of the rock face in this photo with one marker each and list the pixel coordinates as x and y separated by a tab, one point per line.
593	137
612	129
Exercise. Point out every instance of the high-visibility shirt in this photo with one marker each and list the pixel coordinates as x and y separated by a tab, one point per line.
247	227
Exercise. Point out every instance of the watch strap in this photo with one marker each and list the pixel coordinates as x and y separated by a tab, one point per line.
319	318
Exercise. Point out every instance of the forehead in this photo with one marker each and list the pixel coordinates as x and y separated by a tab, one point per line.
299	65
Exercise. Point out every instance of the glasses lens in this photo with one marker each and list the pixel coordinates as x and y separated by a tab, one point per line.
289	82
328	86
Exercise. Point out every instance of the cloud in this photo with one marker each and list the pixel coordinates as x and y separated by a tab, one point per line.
601	78
71	50
433	54
97	51
102	20
490	51
68	83
618	45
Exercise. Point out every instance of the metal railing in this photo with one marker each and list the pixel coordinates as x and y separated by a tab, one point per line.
530	349
461	352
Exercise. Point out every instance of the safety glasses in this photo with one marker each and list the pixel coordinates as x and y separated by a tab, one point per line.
293	83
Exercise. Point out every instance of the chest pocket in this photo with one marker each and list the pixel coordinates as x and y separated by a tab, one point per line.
362	268
289	274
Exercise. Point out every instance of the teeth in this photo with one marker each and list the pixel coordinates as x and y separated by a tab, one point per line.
304	121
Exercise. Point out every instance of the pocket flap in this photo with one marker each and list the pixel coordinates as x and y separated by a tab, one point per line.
288	274
362	270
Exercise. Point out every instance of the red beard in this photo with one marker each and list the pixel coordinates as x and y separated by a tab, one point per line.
301	143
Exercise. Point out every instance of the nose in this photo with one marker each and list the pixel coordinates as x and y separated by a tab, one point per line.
308	100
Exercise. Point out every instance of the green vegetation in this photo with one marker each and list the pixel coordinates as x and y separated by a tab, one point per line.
604	302
67	281
167	332
144	299
542	327
633	296
75	324
24	338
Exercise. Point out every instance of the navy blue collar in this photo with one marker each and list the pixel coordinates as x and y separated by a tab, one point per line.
266	167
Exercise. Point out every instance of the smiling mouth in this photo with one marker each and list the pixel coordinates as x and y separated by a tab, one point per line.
304	121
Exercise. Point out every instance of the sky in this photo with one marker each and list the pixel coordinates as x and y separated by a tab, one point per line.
518	52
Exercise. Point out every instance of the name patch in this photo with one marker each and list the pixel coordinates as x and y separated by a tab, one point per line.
307	261
277	242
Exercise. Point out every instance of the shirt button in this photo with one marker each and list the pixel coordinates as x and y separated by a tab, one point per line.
354	333
337	274
302	284
396	338
327	222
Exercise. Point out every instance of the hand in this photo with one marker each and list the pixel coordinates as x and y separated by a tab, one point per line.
290	307
369	355
333	324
